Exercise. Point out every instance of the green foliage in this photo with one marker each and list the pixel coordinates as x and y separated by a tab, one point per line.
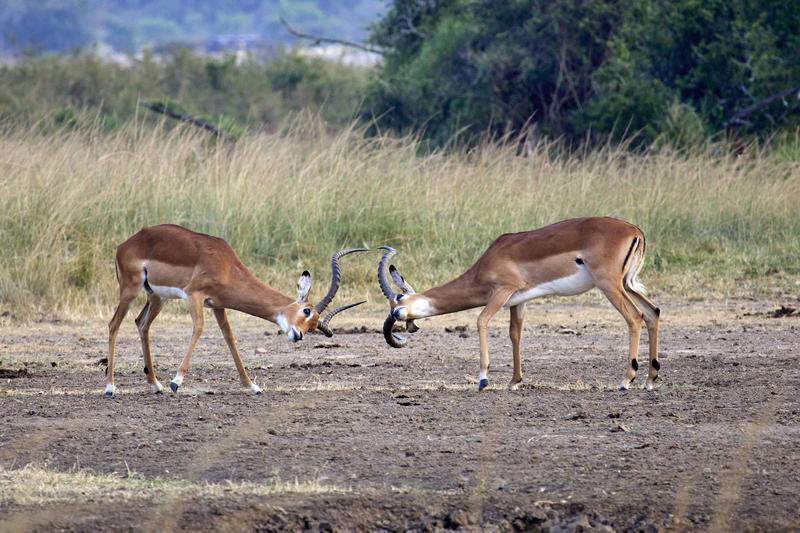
65	117
650	70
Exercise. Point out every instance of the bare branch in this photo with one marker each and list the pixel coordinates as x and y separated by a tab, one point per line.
164	109
319	40
738	118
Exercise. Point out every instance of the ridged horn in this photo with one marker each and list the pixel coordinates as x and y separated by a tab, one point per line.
336	277
384	283
322	325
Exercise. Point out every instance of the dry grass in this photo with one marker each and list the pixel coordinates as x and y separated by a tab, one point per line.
716	226
40	485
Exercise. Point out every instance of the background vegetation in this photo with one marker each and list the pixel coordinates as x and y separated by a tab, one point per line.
483	118
285	201
54	91
680	71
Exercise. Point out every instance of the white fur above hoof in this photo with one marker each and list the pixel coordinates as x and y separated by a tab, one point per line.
649	385
513	386
255	389
157	387
109	391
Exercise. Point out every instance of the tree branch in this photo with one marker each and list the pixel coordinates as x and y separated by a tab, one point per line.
164	109
738	118
319	40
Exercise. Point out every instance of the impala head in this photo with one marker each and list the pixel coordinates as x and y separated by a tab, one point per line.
405	305
300	317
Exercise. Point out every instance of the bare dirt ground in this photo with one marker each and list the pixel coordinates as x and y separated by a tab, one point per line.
353	435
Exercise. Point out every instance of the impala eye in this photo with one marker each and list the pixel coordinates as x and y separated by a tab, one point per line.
307	311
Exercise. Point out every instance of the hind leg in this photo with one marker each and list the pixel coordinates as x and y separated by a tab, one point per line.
151	310
515	332
623	303
652	316
194	303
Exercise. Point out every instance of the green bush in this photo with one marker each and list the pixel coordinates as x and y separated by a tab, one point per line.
676	71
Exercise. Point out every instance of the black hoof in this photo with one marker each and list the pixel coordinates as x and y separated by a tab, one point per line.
259	393
173	386
108	394
483	384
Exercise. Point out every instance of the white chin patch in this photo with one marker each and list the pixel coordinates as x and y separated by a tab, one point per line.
282	323
570	285
421	308
168	293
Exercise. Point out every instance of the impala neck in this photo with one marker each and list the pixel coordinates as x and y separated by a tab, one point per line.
457	295
253	297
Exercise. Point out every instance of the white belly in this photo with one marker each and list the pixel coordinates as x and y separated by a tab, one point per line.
570	285
168	293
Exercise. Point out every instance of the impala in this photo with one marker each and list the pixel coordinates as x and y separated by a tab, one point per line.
566	258
170	262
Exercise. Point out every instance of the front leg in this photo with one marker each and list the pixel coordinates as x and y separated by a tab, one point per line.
496	302
227	333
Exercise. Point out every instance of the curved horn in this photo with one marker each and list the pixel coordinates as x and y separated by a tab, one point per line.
392	339
336	277
322	325
384	283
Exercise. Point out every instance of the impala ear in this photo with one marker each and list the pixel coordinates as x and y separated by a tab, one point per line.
303	286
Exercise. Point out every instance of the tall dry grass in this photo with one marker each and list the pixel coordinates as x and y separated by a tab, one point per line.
715	225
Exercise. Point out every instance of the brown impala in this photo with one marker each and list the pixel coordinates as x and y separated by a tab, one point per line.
170	261
564	259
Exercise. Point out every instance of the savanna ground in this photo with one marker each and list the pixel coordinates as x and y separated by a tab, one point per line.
353	435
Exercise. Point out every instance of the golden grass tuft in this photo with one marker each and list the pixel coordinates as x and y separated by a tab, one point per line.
40	485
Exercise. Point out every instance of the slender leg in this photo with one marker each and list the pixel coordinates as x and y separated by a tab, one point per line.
633	316
515	332
127	295
224	325
498	299
652	316
195	305
143	322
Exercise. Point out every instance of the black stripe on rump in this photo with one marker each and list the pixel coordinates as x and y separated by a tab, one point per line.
628	255
146	284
